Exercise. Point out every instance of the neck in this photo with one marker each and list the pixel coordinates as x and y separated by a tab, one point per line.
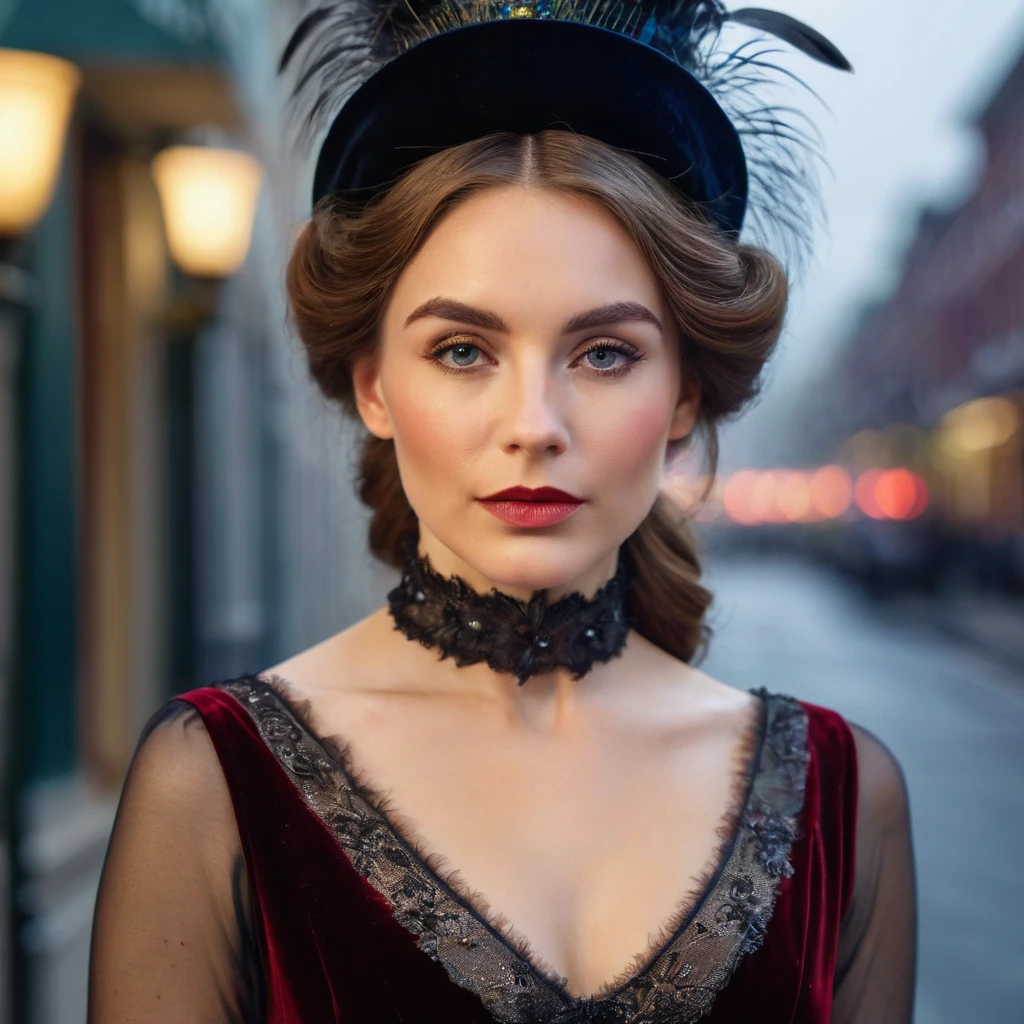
549	703
548	637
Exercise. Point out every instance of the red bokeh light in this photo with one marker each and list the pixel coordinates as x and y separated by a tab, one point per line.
864	494
901	494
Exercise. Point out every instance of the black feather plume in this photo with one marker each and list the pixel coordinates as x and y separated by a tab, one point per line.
794	32
336	46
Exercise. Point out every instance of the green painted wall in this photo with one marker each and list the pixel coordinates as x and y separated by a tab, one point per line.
48	507
6	10
86	31
97	30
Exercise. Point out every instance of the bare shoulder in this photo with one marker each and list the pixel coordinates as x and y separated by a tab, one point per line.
355	659
684	697
730	708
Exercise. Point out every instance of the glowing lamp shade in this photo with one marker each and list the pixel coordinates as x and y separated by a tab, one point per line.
209	201
37	92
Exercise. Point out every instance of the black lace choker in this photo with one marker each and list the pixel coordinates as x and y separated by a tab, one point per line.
521	638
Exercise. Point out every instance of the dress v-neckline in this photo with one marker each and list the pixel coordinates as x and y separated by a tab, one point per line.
455	909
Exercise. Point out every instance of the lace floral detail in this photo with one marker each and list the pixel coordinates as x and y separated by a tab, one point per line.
676	981
521	638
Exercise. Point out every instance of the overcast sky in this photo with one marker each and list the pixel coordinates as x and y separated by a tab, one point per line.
896	137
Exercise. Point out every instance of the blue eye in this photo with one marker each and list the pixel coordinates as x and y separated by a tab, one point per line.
464	355
605	357
602	358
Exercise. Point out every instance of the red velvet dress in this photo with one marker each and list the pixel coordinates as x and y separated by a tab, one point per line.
335	914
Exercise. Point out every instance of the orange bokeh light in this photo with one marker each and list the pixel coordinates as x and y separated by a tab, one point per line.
763	497
793	496
831	491
738	497
752	496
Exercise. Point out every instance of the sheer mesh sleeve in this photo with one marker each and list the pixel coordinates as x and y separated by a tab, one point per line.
876	963
173	935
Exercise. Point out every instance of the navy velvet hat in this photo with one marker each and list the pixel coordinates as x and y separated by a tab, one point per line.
396	80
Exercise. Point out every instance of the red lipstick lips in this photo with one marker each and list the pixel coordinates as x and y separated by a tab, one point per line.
532	494
532	507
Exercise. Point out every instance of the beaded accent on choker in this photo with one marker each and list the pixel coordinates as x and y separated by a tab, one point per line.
521	638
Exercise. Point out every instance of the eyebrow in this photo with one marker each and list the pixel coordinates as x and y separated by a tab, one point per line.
601	316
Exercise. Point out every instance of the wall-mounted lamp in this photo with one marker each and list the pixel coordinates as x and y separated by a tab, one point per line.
209	201
209	198
37	92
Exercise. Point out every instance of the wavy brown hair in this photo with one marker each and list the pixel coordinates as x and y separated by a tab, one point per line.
729	302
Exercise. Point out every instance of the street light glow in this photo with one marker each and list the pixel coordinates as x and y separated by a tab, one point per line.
209	201
37	92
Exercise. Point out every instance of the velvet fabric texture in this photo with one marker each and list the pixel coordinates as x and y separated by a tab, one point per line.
527	76
334	952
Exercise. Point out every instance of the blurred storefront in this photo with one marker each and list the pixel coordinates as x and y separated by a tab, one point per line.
175	500
932	377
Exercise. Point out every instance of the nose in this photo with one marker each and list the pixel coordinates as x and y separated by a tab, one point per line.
533	419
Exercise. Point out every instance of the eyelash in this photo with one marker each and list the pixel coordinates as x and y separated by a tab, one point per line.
449	342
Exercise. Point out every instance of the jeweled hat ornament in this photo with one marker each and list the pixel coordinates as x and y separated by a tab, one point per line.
393	81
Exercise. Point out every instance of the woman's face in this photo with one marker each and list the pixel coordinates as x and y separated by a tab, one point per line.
527	344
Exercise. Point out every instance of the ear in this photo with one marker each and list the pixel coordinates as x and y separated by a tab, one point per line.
369	398
687	408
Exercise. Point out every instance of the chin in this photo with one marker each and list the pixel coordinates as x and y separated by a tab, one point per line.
535	562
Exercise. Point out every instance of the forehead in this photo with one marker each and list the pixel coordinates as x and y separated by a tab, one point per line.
529	243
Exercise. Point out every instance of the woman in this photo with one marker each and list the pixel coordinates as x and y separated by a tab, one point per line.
509	795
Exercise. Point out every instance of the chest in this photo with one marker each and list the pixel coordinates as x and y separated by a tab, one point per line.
587	847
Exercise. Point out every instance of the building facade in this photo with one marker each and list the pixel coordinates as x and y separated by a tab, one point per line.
180	504
933	374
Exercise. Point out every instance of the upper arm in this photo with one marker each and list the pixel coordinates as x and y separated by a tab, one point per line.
876	961
174	934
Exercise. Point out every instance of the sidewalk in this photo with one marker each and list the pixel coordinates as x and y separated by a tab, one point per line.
991	623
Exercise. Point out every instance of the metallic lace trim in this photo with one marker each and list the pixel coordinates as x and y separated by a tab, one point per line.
678	982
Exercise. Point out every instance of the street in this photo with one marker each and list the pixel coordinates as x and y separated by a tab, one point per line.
955	721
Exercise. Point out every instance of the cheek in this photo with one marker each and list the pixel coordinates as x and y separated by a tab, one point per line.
628	440
433	439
